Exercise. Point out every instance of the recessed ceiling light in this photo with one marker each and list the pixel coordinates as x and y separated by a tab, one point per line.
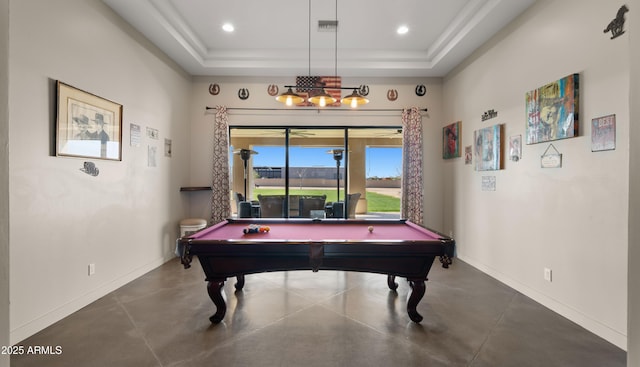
227	27
403	29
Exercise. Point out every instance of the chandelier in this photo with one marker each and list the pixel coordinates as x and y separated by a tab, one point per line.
322	98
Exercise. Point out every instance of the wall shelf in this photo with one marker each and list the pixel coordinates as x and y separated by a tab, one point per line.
196	188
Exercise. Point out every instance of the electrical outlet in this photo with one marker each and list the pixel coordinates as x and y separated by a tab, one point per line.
92	269
547	274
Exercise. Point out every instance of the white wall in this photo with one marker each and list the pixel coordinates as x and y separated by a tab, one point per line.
202	124
571	219
124	220
4	178
633	342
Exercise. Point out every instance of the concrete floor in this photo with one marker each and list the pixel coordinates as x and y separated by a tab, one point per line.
329	318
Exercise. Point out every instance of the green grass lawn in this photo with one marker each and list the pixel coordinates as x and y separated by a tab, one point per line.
382	203
375	202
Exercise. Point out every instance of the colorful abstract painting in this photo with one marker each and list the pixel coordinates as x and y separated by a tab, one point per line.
306	87
488	146
451	140
552	111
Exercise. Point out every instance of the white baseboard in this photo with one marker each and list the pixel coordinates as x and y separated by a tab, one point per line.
30	328
612	336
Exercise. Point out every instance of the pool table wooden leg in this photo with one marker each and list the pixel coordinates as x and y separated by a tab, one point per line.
214	288
418	288
240	282
391	282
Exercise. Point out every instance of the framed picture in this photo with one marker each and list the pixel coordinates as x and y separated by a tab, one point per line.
552	111
88	126
451	140
515	147
488	147
603	133
468	153
488	183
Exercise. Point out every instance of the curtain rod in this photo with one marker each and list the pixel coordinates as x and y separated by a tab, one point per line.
317	109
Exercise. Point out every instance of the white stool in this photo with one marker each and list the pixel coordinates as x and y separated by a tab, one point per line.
191	225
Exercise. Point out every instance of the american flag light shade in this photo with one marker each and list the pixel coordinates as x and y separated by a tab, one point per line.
331	84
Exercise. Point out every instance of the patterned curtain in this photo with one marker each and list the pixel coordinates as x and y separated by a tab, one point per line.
412	195
220	186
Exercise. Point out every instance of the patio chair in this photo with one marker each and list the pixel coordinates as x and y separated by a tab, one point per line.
309	203
271	206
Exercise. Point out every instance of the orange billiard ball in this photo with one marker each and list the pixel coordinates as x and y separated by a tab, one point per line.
370	229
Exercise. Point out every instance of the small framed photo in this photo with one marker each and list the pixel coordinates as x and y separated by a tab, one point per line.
88	126
167	147
515	147
451	140
468	154
488	183
603	133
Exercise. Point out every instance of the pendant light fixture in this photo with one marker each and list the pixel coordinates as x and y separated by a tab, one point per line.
355	99
290	98
322	98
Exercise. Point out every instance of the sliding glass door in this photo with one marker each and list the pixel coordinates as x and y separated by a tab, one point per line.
315	172
265	173
317	177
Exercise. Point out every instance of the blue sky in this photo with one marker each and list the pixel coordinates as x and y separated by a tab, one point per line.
381	162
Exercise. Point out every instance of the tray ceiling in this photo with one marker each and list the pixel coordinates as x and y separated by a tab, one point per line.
276	38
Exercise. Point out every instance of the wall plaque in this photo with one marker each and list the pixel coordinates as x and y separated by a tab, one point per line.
551	159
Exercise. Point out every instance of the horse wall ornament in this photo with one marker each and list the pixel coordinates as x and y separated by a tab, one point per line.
617	24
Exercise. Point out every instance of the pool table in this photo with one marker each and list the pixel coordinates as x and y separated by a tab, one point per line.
392	247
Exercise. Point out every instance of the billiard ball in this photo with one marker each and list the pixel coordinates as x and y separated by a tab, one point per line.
254	228
370	229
